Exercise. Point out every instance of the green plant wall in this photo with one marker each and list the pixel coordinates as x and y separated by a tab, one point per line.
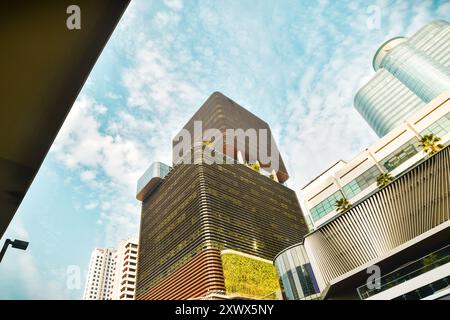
249	277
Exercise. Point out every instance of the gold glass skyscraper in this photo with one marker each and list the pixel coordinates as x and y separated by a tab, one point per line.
213	229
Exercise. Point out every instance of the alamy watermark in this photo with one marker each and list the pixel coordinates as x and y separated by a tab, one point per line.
373	21
73	277
374	280
73	21
213	146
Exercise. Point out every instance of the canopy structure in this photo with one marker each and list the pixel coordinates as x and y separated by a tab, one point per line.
44	65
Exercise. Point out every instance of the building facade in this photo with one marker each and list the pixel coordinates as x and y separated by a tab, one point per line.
392	241
404	222
296	275
112	273
100	277
125	266
400	231
203	224
410	72
394	153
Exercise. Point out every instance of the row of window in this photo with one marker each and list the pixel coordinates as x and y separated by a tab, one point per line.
439	128
361	182
402	154
326	206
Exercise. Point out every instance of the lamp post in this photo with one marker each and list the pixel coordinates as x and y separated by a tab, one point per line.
18	244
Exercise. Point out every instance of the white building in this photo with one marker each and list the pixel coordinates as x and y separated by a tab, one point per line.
125	270
398	232
99	282
394	153
112	273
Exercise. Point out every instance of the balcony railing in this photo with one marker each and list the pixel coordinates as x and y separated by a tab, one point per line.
408	272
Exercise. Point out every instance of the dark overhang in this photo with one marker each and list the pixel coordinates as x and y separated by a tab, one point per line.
43	66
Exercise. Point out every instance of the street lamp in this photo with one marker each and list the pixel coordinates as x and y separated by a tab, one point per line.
18	244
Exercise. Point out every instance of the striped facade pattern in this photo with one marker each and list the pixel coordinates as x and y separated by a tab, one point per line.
249	212
222	113
191	280
198	207
172	227
387	100
414	203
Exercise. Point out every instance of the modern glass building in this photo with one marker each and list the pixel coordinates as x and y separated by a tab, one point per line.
410	72
295	273
397	237
214	229
393	154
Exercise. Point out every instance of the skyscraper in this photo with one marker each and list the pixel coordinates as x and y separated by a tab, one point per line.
391	241
410	72
99	282
392	154
212	229
125	266
112	273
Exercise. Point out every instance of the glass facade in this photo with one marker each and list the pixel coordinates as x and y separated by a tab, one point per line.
439	128
295	274
423	75
151	178
427	290
196	211
410	73
402	154
326	206
408	272
361	182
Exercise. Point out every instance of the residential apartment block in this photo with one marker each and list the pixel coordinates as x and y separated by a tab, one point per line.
112	273
100	277
125	270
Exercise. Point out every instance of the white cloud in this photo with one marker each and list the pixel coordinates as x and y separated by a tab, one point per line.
83	143
88	175
174	4
21	267
444	9
91	206
305	94
163	19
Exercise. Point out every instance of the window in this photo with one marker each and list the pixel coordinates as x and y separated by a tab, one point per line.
402	154
439	128
361	182
326	206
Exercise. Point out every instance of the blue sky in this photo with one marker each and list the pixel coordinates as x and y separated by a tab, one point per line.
295	64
